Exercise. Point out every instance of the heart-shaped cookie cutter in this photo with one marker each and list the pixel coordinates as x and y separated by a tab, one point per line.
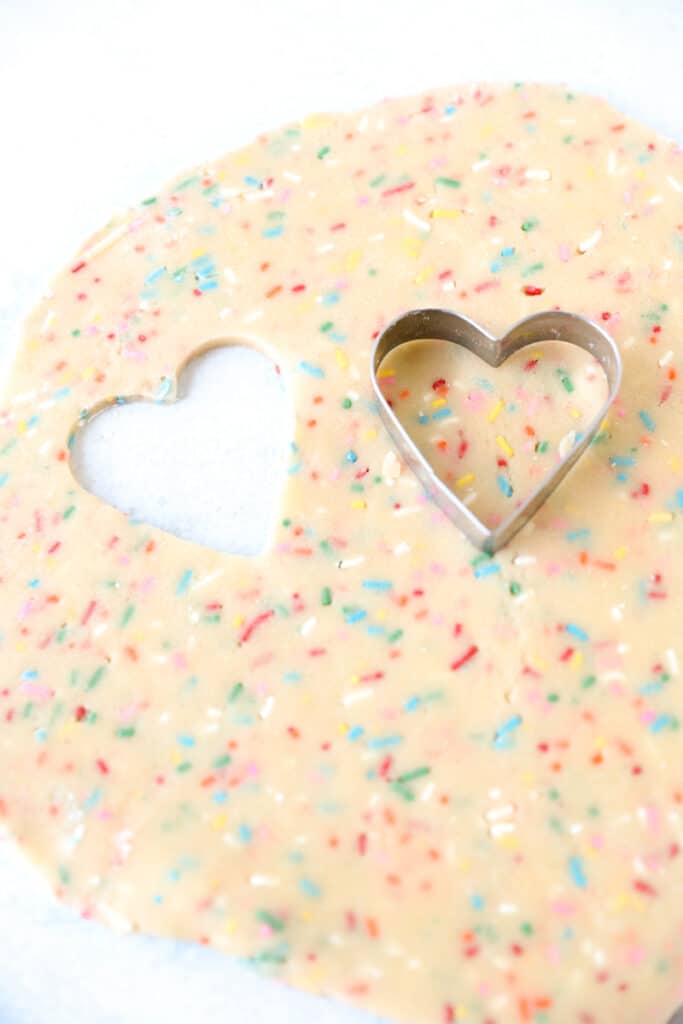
447	325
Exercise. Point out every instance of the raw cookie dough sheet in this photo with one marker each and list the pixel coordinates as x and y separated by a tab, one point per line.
377	763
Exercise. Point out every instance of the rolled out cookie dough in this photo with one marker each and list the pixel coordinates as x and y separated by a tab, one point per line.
378	763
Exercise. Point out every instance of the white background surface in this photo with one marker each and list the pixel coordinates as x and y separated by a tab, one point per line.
101	103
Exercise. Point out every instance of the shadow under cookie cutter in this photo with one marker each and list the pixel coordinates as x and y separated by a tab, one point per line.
447	325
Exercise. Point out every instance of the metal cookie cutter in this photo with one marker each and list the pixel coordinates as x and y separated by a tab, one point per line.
446	325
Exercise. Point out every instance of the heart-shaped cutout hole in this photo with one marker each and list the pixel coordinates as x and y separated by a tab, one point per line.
492	435
207	467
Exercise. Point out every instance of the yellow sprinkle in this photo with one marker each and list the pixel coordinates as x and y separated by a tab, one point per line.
21	427
438	402
355	679
381	615
660	517
508	841
343	728
423	275
576	413
231	926
462	481
497	410
316	121
238	620
369	435
342	361
353	259
386	373
504	446
359	503
576	660
441	211
219	822
198	253
413	246
620	552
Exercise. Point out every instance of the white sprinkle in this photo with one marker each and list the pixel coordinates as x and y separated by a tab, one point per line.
356	695
611	161
402	548
617	612
674	183
48	321
350	563
230	275
591	242
567	443
267	707
524	560
262	193
264	881
105	243
291	176
480	165
416	221
672	658
308	625
538	174
255	314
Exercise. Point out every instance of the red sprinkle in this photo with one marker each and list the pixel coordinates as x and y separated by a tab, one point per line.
464	658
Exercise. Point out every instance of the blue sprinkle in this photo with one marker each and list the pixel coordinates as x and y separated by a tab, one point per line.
186	741
622	460
380	742
505	486
356	616
502	737
486	570
163	390
679	498
274	232
660	723
30	673
647	420
377	584
477	902
92	800
245	833
33	584
578	534
331	299
355	733
314	371
310	889
61	394
4	477
292	677
507	251
207	286
441	414
496	266
184	582
423	418
220	797
351	457
251	180
155	275
412	704
650	689
576	631
577	872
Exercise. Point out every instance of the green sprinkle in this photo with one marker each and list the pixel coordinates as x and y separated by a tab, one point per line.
150	201
515	588
327	326
566	382
276	923
126	732
346	403
184	767
127	615
588	682
69	512
542	448
322	153
553	698
235	692
223	761
403	791
95	677
395	636
530	224
448	182
417	773
326	596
